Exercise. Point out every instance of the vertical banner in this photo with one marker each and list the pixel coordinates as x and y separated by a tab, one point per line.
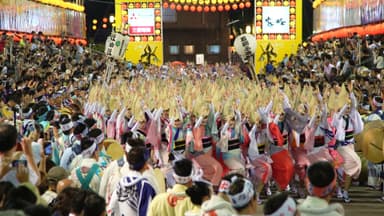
278	30
142	22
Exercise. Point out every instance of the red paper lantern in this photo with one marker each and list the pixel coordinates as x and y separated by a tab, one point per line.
247	4
213	8
292	17
137	5
258	10
105	20
165	5
227	7
151	5
131	39
241	5
292	3
272	37
192	8
157	12
172	6
199	8
265	3
258	37
258	23
158	38
234	6
278	3
220	8
124	6
231	37
158	25
285	36
125	18
206	9
292	30
144	38
186	7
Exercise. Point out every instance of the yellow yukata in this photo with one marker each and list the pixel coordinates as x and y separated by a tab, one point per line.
175	202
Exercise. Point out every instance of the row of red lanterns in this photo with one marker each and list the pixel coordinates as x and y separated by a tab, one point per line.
212	8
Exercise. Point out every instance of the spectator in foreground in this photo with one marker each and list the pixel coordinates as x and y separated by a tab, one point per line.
280	204
134	192
321	183
199	192
175	202
243	197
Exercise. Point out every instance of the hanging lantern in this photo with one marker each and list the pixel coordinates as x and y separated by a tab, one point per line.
292	3
213	8
165	5
220	8
194	1
172	6
278	3
227	7
158	38
150	38
124	6
182	1
247	4
286	3
178	7
279	37
137	5
259	3
206	9
241	5
234	6
158	25
144	5
292	16
192	8
130	6
144	38
157	12
199	8
188	1
151	5
258	37
231	37
265	3
186	7
131	38
219	1
292	30
292	10
258	23
272	3
285	36
259	10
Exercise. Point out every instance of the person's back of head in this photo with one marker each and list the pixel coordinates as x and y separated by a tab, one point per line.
199	192
137	158
182	171
63	203
8	137
321	180
243	196
5	189
37	210
20	198
280	204
94	205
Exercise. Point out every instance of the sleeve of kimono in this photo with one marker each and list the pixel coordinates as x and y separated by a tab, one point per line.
148	193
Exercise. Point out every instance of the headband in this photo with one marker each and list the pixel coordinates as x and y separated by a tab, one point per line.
87	153
244	197
182	179
67	126
99	139
27	114
288	208
376	103
320	191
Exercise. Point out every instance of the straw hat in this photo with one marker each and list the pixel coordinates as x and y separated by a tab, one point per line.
372	141
114	149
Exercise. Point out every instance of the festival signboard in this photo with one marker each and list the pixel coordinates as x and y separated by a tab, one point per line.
141	21
278	30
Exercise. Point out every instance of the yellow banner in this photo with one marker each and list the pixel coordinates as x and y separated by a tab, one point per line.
150	52
273	47
147	48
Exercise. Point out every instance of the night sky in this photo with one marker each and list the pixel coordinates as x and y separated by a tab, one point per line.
97	9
